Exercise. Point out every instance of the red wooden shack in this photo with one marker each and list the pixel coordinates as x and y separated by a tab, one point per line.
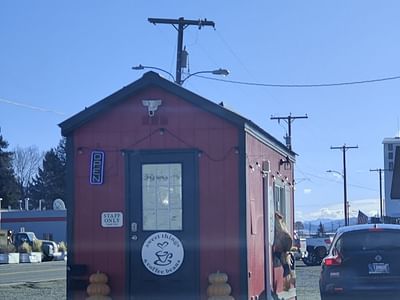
166	187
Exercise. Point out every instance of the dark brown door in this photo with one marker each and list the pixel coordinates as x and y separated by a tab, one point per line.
163	225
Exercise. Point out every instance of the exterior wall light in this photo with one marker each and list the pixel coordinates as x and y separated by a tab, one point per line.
287	165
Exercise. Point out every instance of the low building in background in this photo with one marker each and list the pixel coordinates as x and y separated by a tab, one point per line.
46	224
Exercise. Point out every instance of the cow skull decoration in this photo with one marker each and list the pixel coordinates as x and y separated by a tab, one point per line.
152	106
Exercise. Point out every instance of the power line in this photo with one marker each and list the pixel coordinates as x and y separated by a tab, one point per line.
243	65
20	104
289	119
334	181
316	85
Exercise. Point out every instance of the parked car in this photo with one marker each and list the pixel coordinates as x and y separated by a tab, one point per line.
316	249
49	248
362	261
296	248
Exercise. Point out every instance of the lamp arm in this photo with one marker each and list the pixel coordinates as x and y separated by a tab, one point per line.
195	73
141	67
215	72
337	172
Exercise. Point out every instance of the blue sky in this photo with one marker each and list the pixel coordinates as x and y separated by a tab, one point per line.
65	55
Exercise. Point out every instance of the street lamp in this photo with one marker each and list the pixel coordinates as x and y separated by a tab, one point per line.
345	202
223	72
219	71
336	172
141	67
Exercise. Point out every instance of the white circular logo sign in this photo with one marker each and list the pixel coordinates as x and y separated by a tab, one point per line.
162	253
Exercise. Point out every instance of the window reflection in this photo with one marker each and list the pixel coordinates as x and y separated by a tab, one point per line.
162	196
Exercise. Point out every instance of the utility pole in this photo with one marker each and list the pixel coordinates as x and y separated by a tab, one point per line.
180	25
344	148
289	120
380	189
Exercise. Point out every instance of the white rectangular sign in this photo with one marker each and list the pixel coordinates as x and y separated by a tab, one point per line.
112	219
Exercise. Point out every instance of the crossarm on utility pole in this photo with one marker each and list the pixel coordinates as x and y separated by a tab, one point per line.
199	22
289	120
182	24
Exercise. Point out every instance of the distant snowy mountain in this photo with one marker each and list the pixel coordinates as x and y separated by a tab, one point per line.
330	225
334	212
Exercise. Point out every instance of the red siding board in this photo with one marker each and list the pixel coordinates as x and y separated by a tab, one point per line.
231	207
90	239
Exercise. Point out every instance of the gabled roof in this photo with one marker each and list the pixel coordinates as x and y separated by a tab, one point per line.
152	79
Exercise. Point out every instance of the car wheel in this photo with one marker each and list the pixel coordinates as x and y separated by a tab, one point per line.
321	252
311	259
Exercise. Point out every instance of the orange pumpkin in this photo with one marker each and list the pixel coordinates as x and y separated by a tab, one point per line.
98	277
217	277
98	289
219	289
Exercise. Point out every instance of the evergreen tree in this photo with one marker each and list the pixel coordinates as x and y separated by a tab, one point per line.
49	183
8	185
321	230
299	225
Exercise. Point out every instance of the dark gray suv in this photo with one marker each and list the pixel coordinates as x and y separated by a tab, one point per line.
363	260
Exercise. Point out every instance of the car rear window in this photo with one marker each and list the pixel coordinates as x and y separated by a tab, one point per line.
364	240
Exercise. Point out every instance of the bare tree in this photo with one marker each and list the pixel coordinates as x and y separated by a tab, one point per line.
26	163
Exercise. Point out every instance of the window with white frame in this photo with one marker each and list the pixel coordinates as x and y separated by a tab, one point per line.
162	196
282	202
279	197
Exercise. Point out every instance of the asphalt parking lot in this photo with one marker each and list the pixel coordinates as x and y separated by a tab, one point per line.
33	281
306	279
46	290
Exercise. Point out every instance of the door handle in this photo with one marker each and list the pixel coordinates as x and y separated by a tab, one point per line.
134	227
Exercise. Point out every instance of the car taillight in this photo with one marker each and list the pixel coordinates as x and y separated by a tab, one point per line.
375	229
332	261
328	241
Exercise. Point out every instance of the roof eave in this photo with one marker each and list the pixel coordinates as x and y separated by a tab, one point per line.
148	79
154	79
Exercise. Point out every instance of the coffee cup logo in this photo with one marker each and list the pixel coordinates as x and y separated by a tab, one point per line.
162	253
163	258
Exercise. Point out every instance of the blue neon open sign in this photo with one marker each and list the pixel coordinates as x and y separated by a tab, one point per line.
97	167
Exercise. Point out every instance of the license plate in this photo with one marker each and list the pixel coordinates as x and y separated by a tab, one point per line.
378	268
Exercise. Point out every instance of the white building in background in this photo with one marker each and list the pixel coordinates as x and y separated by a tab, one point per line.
391	146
